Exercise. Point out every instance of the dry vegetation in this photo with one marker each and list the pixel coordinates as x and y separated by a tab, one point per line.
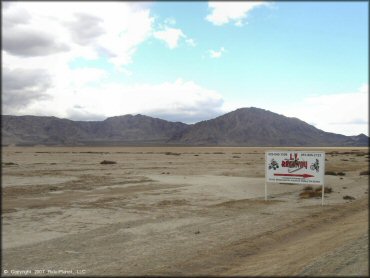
310	192
364	172
108	162
179	211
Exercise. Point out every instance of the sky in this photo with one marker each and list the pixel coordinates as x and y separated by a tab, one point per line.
188	61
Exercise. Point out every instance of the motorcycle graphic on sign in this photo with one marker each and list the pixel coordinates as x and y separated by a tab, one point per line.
315	166
273	164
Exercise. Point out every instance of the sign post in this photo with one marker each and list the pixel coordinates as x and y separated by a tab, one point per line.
322	194
265	179
265	191
296	167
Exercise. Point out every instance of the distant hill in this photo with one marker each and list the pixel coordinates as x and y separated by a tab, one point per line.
242	127
258	127
121	130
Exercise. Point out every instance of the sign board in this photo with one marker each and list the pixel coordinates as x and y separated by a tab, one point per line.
301	167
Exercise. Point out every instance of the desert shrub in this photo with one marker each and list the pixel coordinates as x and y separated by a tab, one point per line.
9	163
362	173
341	174
326	189
308	194
108	162
171	153
235	156
347	197
218	153
305	194
332	173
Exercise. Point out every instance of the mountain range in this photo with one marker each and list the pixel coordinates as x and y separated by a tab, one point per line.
242	127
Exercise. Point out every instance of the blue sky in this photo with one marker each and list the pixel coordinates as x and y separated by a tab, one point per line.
298	48
192	61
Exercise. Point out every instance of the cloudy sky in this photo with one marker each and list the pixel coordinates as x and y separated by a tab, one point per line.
187	61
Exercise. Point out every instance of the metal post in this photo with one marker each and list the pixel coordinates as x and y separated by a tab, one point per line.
265	176
265	190
323	191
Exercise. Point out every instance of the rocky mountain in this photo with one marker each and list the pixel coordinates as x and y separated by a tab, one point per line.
243	127
121	130
258	127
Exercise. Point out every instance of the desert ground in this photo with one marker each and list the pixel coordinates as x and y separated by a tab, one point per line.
178	211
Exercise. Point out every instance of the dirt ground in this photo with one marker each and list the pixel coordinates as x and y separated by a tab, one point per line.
177	211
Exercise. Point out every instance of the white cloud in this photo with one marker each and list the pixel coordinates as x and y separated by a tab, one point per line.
78	29
345	113
178	100
191	42
225	12
81	77
216	54
364	88
60	32
170	36
170	21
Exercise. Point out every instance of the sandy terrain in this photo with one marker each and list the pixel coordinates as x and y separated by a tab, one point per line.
177	211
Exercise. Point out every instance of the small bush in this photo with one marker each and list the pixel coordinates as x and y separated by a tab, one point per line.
363	173
341	174
326	189
308	194
235	156
108	162
332	173
347	197
9	163
171	153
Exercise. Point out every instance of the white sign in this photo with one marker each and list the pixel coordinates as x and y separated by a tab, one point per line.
300	167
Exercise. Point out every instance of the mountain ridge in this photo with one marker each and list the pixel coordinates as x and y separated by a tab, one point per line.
243	127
